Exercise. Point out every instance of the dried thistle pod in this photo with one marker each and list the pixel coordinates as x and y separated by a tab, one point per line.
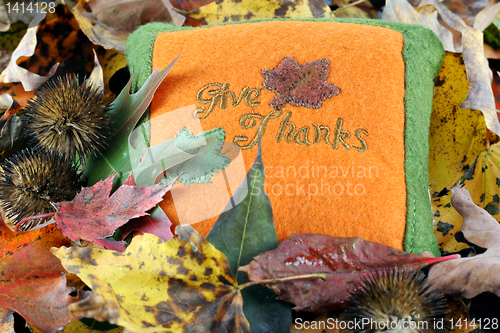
33	179
66	117
396	300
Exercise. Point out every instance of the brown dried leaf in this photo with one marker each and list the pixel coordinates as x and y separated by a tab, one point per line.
468	277
480	96
343	260
402	11
109	23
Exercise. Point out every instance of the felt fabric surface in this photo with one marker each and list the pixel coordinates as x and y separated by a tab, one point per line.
371	183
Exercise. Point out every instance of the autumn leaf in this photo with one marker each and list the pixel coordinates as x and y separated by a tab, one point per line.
456	138
189	5
33	281
299	85
109	24
94	215
242	231
468	277
156	223
6	321
241	10
184	285
482	180
26	48
344	260
480	94
126	110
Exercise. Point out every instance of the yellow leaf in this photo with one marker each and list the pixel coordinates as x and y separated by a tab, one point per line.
480	94
241	10
111	61
457	137
183	285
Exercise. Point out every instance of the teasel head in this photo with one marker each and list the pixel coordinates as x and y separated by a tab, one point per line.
67	118
31	180
396	300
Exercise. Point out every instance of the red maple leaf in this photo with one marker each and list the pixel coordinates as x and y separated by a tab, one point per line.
33	280
300	85
159	226
94	215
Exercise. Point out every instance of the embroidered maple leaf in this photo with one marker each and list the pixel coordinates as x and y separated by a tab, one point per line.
299	85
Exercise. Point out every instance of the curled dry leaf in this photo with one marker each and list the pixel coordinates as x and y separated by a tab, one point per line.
94	215
344	260
480	94
26	48
184	285
403	11
109	23
468	277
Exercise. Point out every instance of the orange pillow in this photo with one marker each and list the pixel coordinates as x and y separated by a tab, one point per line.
331	99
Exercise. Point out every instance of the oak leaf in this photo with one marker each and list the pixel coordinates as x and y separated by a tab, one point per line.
468	277
299	85
183	285
33	282
94	215
344	260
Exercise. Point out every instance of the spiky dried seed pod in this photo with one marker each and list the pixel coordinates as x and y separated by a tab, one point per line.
68	118
396	300
33	178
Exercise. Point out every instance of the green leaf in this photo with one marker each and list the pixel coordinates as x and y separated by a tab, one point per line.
243	232
126	110
207	158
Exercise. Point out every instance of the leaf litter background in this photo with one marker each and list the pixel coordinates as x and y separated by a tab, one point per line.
463	140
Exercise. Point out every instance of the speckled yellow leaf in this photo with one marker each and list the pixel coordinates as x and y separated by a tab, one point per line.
483	182
241	10
111	61
457	137
183	285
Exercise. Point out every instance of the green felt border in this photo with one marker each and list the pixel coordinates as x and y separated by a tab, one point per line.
423	54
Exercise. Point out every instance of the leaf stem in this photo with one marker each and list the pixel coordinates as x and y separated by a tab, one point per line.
487	139
289	278
32	218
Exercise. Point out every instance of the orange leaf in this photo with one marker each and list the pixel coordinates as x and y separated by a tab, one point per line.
33	281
